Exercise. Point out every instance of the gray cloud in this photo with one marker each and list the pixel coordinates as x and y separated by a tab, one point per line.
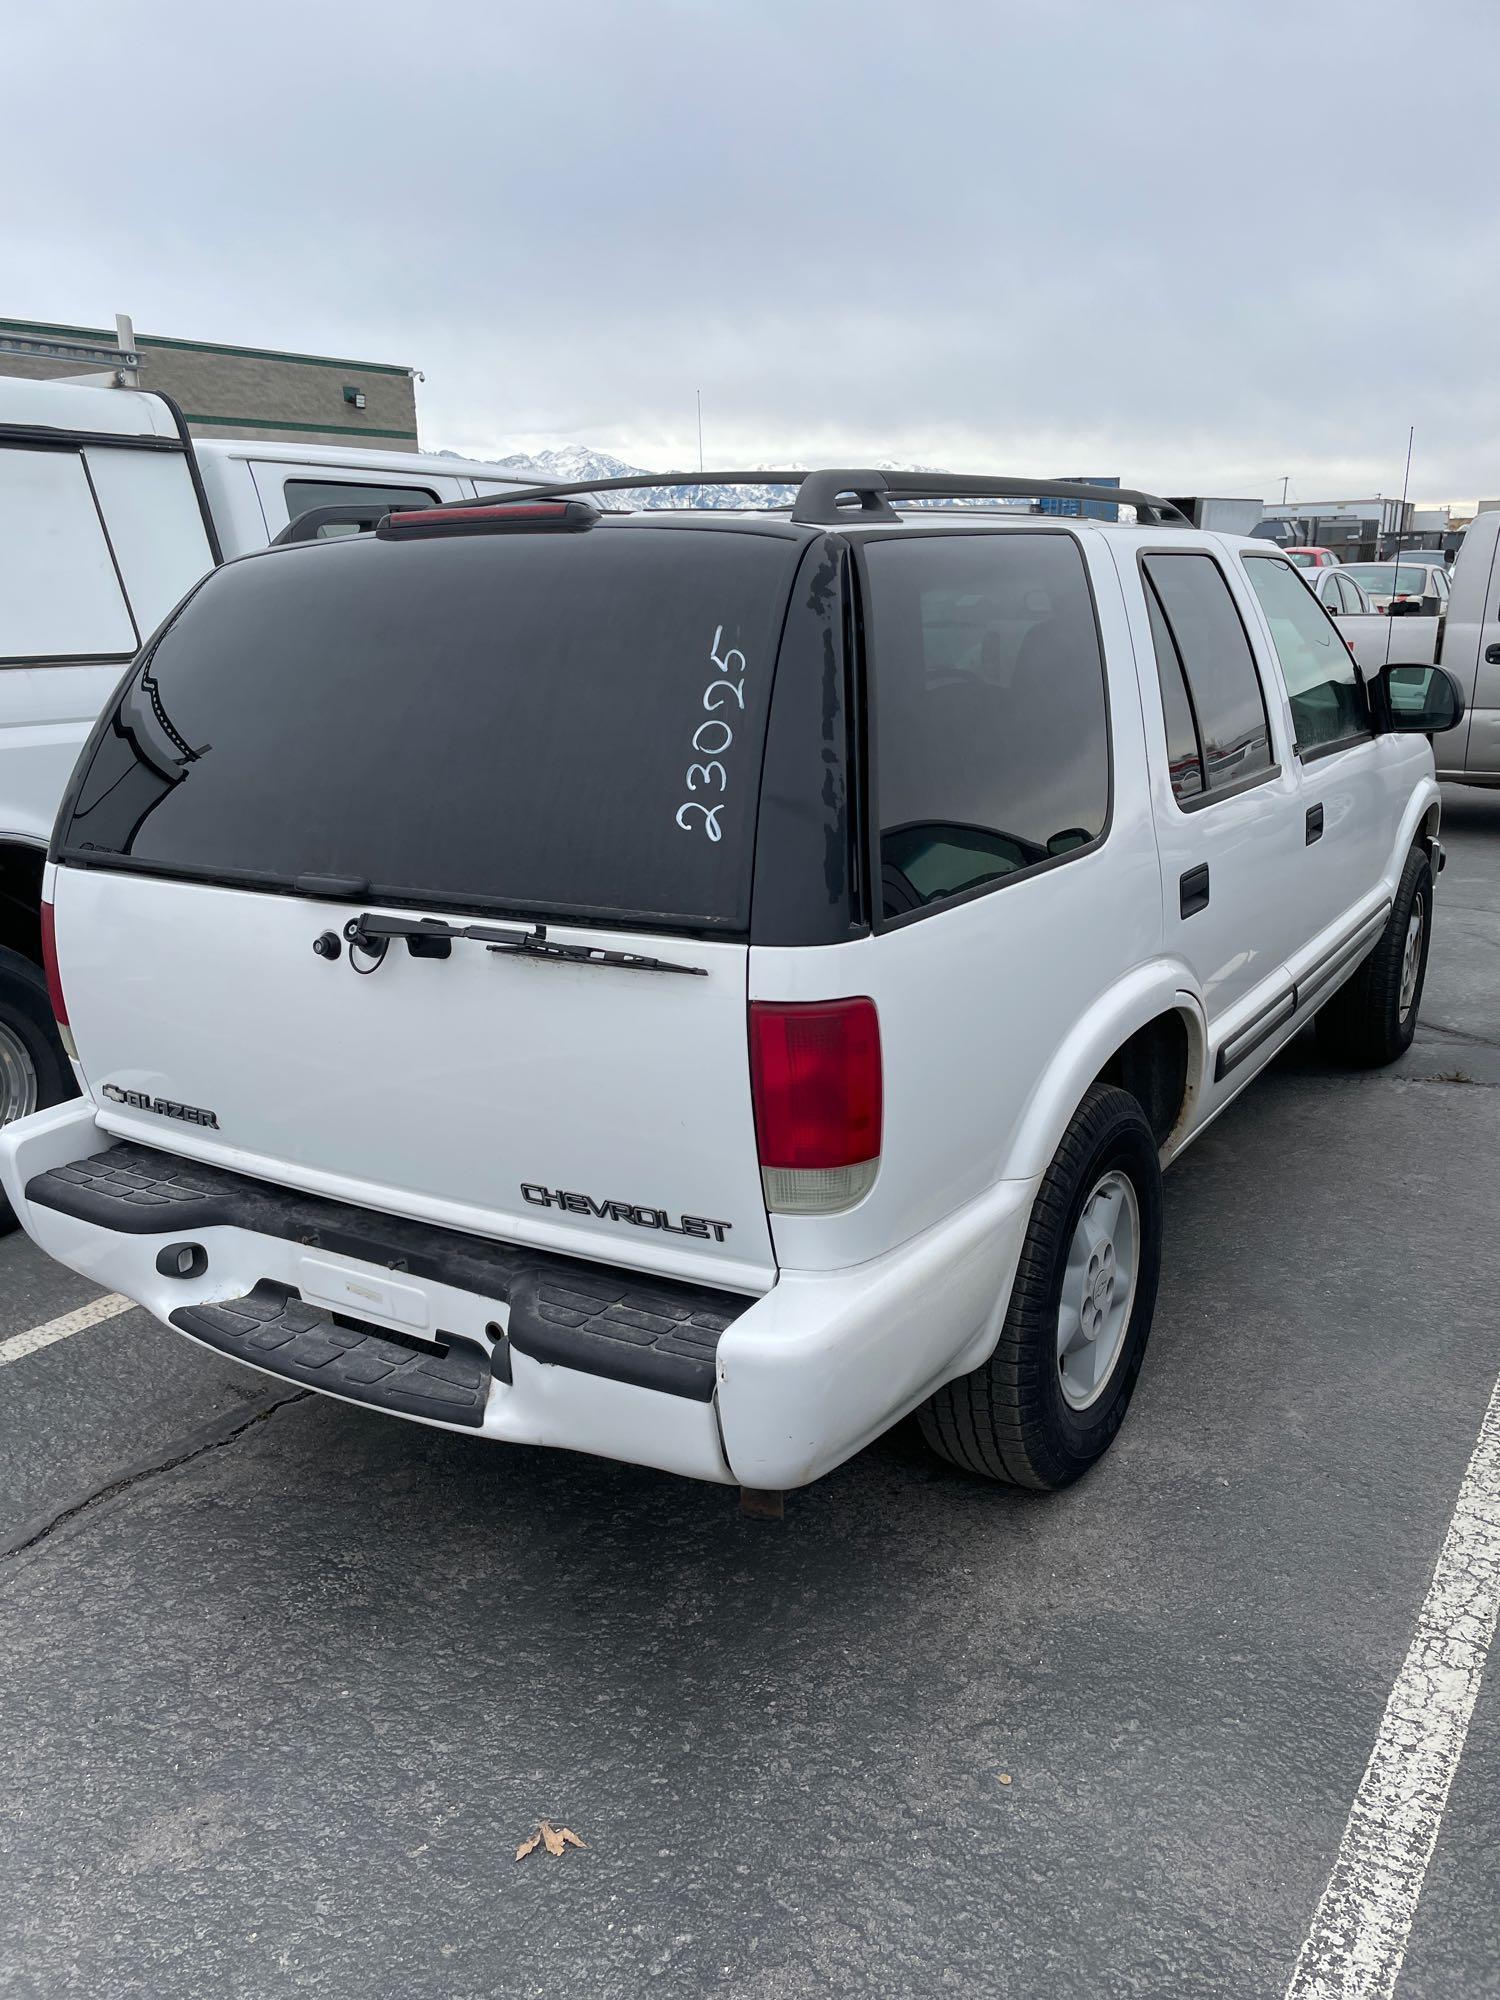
1201	246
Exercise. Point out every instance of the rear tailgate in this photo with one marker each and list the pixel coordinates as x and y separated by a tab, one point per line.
502	731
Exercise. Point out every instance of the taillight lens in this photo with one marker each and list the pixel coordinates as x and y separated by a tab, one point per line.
54	980
816	1077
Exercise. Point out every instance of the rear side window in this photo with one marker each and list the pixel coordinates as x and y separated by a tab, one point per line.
564	723
60	594
302	495
991	731
1203	655
1328	699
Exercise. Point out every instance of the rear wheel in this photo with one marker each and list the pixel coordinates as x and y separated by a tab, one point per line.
34	1072
1372	1018
1047	1403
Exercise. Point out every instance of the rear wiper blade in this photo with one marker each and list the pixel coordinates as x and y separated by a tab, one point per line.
373	933
536	944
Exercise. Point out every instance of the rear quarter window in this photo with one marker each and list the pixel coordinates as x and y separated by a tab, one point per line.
563	723
991	730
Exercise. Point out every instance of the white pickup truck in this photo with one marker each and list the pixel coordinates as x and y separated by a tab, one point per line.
109	514
1465	639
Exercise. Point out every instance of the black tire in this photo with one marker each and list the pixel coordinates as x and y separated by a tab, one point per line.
1364	1024
26	1024
1009	1419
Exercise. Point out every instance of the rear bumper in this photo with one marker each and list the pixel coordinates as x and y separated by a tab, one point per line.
508	1343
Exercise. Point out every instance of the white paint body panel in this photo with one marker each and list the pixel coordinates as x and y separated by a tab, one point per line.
432	1088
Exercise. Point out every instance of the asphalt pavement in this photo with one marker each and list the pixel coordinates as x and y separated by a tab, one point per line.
283	1685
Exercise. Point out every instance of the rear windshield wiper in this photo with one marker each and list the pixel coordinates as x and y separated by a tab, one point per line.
429	937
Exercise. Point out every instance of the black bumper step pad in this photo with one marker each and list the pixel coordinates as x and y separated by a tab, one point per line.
272	1328
655	1332
609	1323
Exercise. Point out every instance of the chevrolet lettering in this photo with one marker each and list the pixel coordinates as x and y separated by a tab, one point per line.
623	1211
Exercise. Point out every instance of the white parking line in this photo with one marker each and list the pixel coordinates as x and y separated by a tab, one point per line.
20	1344
1359	1934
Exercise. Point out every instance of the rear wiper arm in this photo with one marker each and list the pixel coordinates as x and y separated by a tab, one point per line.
429	937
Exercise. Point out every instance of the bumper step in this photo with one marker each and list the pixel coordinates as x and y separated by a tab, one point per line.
272	1329
656	1333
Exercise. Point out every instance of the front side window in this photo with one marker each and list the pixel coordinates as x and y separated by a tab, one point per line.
1201	646
1328	699
990	720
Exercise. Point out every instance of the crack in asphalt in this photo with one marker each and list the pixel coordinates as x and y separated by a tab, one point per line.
212	1436
1462	1035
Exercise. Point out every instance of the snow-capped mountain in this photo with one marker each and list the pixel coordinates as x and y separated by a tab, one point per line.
571	462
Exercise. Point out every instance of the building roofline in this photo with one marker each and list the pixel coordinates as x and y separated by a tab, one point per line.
46	331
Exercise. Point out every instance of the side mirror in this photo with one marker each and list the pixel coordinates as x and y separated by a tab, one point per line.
1425	699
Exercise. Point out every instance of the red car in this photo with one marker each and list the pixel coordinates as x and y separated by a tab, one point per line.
1311	558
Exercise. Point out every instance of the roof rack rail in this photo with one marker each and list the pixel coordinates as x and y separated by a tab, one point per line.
359	514
824	496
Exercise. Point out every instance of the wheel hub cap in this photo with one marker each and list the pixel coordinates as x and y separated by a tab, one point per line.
17	1077
1098	1290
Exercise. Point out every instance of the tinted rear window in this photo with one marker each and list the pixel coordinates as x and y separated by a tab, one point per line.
546	722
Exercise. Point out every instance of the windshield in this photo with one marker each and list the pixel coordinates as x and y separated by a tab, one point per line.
1303	558
1410	581
567	723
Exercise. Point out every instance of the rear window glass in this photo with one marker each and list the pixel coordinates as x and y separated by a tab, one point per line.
991	731
1409	580
302	495
568	722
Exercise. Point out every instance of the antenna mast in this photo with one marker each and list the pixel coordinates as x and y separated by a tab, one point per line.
1390	632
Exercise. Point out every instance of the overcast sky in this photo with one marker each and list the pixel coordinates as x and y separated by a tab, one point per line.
1199	245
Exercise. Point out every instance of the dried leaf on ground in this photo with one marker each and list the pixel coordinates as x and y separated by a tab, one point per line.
556	1839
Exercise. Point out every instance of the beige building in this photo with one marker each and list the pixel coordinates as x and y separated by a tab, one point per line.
224	391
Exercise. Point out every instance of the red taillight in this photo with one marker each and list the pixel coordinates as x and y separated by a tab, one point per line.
49	966
54	979
816	1078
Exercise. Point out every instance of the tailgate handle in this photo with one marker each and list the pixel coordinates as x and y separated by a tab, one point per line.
1192	890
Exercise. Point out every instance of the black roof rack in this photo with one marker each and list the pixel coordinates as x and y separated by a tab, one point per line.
827	498
353	513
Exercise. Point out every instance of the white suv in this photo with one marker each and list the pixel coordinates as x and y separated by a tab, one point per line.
694	987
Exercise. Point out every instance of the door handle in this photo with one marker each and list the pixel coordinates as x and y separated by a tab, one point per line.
1492	656
1192	890
1314	824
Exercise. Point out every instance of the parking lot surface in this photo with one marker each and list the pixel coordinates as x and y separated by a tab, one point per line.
284	1684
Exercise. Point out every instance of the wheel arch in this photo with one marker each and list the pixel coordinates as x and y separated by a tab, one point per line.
1419	828
1148	1033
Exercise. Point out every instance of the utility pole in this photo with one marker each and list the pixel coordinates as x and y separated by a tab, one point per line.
1284	479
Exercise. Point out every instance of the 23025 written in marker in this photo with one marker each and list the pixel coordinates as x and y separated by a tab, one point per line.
712	775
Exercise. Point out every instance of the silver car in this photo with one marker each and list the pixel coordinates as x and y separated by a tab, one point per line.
1418	583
